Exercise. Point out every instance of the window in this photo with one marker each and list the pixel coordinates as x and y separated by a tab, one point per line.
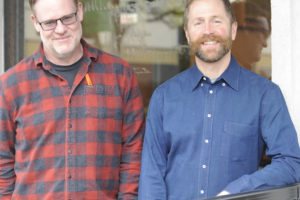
149	35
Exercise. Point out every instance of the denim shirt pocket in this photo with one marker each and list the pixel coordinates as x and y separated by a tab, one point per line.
239	140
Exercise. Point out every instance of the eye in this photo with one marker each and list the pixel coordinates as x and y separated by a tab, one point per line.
66	18
50	22
198	23
217	21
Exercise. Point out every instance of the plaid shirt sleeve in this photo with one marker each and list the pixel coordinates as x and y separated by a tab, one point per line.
133	129
7	174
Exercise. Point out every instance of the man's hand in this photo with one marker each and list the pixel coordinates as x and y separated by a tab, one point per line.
224	192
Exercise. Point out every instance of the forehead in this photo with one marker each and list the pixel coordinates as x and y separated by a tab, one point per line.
51	9
207	8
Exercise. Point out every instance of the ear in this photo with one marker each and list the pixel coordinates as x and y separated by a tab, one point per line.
80	11
187	35
234	27
35	23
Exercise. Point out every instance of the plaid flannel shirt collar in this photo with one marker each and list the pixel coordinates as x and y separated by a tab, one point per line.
41	61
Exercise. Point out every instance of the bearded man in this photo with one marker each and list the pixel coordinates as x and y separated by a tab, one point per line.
207	127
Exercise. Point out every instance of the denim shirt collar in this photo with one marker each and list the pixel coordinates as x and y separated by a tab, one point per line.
231	75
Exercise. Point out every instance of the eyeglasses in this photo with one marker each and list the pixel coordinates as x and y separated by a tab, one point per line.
65	20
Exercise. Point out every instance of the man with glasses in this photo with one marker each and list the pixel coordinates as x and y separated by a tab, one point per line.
71	116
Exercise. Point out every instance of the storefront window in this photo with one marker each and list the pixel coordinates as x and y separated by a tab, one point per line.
149	35
252	45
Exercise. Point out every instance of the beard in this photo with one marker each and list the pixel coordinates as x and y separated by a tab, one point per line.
62	50
211	55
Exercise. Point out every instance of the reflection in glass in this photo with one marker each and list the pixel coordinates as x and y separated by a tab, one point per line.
146	33
253	33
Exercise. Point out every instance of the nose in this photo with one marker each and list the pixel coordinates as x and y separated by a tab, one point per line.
208	28
265	44
264	41
60	27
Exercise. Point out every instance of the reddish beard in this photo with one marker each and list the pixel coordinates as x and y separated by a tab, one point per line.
225	43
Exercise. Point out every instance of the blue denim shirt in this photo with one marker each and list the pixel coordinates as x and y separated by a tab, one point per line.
202	138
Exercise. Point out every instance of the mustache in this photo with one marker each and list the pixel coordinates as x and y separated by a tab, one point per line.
206	38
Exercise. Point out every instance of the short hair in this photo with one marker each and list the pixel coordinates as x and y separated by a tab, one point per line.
227	6
246	11
33	2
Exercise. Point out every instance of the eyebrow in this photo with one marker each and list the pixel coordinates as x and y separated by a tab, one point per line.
47	20
212	17
59	18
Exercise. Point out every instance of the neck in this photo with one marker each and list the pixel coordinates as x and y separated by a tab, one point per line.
215	69
65	59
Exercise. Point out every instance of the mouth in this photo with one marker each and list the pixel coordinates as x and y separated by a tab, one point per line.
61	38
209	45
209	42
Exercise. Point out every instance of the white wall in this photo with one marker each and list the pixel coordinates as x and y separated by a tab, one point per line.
286	53
1	37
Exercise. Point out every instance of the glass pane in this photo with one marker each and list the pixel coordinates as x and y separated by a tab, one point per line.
252	46
149	35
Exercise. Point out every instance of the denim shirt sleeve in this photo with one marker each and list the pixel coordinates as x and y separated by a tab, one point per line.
280	137
151	184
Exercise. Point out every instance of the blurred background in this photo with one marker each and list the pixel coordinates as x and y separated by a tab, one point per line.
149	35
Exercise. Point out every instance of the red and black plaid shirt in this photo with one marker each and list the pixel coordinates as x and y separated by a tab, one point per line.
58	142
